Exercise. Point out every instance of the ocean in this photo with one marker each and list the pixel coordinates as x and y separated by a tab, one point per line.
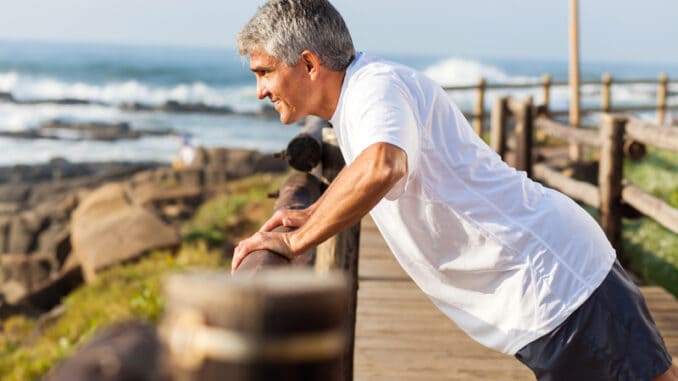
110	75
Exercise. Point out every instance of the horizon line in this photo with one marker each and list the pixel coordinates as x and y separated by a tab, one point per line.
214	47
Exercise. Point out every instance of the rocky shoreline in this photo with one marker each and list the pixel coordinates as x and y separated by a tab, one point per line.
62	222
266	110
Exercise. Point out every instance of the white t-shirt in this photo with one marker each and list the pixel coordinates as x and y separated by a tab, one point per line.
504	257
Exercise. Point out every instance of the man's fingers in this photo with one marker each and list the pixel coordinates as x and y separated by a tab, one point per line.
235	262
291	222
273	222
244	248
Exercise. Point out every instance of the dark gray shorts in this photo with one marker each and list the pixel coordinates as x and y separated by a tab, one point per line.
610	337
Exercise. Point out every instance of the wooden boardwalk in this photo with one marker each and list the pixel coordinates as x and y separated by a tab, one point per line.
401	335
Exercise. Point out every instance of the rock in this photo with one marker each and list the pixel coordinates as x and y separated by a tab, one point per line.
174	106
62	129
50	293
267	163
22	274
5	223
55	240
107	229
23	231
14	193
174	204
135	106
217	156
190	177
153	196
201	158
240	162
9	208
143	177
124	352
6	97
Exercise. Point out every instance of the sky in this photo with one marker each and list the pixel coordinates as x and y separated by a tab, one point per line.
610	30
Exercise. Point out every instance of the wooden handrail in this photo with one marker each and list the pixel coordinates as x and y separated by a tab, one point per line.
578	190
657	209
536	84
562	131
652	134
299	191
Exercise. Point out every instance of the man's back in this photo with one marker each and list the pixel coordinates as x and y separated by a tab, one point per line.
506	258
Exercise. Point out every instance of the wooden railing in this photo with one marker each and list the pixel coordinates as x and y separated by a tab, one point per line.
619	136
268	324
479	114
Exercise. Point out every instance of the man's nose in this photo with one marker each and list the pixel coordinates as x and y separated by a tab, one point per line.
262	91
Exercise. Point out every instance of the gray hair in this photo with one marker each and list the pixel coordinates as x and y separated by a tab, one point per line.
285	28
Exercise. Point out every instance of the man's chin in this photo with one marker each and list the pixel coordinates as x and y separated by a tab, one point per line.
287	120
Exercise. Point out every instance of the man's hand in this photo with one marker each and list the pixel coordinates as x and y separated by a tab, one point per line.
286	217
272	241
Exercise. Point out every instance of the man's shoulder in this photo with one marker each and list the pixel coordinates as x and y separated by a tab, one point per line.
369	66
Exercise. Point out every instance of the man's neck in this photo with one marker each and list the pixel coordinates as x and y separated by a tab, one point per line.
329	100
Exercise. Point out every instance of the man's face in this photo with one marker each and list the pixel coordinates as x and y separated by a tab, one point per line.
286	86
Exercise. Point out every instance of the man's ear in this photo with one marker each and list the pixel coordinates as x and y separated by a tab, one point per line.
311	62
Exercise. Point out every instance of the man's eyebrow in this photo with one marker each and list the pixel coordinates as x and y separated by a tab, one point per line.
260	68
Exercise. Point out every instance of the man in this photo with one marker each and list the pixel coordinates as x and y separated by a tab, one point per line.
519	267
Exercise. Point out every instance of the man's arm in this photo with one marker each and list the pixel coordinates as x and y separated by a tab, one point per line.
355	191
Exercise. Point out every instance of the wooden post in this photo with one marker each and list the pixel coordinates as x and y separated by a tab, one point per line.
546	91
610	176
498	126
524	127
278	325
662	90
479	112
575	149
341	252
606	93
304	151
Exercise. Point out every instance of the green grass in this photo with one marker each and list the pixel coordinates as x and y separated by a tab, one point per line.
133	290
232	215
653	249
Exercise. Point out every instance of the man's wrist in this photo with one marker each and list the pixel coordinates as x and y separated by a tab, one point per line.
292	241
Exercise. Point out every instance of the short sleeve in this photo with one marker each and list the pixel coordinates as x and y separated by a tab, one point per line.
381	110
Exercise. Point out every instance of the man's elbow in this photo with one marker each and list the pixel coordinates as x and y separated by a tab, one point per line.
393	165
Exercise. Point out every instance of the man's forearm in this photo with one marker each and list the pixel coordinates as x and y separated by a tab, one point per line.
355	191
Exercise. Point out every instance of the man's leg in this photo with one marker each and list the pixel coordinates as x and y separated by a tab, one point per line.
610	337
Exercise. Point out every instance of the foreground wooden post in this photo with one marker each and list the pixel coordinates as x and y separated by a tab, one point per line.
662	90
498	118
524	127
341	252
610	176
278	325
606	93
479	112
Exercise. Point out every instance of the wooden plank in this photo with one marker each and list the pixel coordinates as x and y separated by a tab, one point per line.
581	136
401	335
578	190
651	206
652	134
